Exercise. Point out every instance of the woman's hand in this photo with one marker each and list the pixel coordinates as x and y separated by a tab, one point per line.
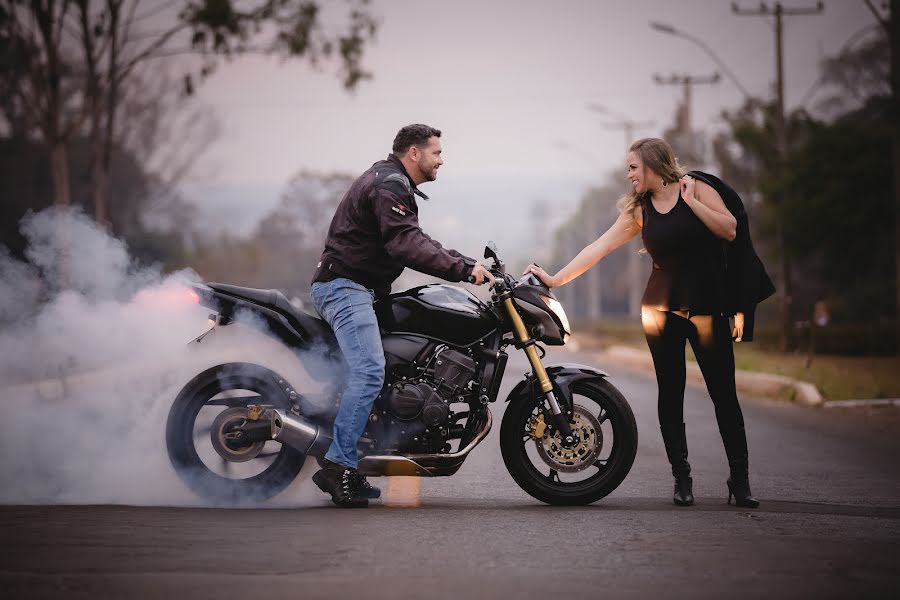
737	334
687	188
541	274
709	207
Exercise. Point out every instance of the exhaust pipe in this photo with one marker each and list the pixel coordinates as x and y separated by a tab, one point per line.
298	433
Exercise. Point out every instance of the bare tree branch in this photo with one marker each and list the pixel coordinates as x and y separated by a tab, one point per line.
160	8
878	17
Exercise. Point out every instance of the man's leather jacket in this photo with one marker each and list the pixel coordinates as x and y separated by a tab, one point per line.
375	233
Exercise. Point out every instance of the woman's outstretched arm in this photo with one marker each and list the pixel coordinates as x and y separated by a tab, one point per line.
618	234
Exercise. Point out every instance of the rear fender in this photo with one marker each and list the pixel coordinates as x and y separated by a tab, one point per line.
563	376
289	332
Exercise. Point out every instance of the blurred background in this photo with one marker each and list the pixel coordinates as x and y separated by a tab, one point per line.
218	135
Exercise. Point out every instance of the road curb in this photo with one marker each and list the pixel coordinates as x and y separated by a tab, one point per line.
749	382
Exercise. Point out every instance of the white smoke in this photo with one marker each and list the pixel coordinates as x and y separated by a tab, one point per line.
93	349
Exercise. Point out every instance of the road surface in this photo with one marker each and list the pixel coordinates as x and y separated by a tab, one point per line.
828	527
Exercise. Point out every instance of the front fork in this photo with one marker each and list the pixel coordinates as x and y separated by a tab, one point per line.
537	367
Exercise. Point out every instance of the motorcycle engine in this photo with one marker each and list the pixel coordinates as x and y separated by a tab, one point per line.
408	402
415	413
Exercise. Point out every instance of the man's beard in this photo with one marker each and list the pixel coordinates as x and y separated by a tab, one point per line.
429	174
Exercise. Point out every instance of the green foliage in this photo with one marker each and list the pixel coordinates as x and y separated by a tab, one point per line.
25	181
840	208
227	28
833	196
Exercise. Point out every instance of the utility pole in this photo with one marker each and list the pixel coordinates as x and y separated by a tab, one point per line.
628	127
894	33
892	29
780	12
686	143
686	81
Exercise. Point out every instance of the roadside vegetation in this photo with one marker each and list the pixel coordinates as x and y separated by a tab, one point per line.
838	377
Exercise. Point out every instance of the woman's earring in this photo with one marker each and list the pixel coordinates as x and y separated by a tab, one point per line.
665	183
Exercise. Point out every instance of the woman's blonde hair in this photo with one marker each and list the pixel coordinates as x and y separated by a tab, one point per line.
658	156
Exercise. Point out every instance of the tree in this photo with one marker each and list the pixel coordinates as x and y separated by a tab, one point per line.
840	209
42	83
839	216
285	246
849	157
71	61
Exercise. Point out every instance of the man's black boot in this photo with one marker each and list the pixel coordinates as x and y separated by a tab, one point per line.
366	489
342	483
677	453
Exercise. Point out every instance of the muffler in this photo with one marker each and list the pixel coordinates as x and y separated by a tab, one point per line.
299	433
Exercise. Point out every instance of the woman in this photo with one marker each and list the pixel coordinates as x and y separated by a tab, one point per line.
682	222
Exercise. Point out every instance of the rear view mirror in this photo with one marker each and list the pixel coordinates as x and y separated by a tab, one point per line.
490	251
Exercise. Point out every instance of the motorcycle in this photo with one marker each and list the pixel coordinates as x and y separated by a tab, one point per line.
568	436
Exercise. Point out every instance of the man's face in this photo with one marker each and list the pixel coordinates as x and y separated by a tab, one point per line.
428	158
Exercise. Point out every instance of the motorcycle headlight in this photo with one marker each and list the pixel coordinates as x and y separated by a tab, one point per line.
557	309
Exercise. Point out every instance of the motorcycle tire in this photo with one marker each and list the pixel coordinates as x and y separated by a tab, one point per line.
517	435
181	436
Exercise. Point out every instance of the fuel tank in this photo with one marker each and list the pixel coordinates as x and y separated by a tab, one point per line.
441	312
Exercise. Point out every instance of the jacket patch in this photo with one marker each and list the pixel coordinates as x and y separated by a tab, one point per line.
399	210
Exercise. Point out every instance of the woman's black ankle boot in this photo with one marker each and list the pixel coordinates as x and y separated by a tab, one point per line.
684	492
740	490
735	439
677	452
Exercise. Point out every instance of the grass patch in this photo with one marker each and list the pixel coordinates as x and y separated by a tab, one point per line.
836	377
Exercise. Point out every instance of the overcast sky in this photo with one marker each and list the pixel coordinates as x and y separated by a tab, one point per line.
508	82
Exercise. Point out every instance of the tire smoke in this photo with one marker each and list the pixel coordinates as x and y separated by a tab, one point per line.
93	349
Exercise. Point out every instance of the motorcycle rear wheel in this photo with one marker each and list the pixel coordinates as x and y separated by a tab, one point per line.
226	386
557	475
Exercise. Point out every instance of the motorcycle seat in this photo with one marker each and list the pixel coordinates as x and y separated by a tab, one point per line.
277	300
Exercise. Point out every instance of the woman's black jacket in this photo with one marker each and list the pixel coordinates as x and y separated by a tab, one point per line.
746	281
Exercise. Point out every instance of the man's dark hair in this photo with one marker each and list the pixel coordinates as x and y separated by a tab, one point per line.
413	135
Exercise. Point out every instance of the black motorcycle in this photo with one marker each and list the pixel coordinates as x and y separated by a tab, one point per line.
568	436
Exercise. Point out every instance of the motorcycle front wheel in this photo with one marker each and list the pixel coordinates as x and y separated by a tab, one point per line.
606	444
201	440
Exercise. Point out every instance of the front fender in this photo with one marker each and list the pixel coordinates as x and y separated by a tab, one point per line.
563	376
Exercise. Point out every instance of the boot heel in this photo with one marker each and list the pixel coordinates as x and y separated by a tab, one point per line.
740	490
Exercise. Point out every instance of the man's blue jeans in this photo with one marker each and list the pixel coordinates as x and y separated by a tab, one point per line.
348	307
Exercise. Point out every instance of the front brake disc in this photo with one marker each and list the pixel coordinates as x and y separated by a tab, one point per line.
580	456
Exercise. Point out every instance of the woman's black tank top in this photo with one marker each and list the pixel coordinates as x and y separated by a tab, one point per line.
688	261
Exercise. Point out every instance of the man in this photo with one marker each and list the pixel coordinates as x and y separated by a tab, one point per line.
374	234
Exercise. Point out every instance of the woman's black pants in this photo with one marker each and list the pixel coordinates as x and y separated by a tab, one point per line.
710	338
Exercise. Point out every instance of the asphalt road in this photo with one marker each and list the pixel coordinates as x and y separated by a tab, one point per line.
828	527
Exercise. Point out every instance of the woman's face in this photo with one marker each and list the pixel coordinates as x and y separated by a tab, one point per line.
640	177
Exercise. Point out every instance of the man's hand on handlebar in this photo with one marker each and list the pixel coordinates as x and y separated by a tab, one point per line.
480	275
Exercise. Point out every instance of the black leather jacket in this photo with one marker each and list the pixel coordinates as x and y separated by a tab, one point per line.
375	233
